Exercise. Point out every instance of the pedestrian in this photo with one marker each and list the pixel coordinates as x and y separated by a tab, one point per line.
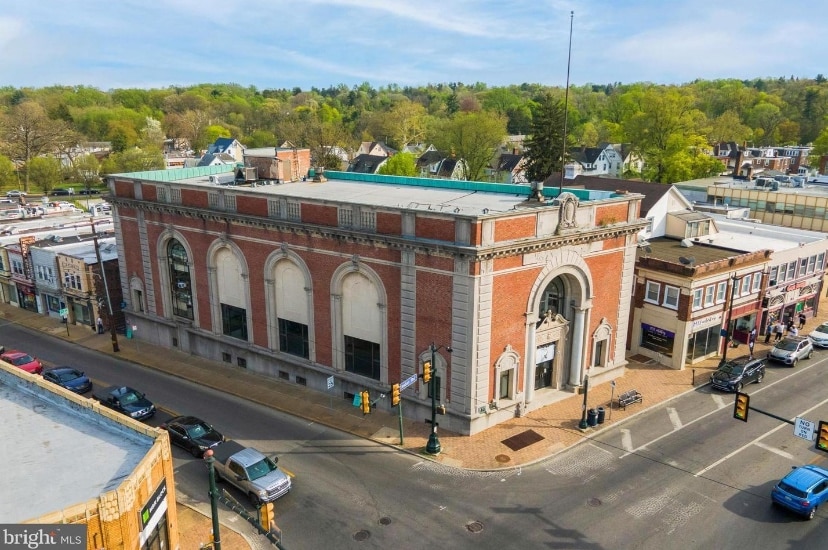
778	329
99	324
751	341
769	330
793	331
801	320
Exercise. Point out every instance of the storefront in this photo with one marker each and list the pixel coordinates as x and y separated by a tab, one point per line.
657	339
786	303
705	337
26	297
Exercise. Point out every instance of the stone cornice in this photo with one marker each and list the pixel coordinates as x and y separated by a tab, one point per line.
433	248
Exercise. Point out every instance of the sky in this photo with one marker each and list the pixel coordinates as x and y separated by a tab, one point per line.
273	44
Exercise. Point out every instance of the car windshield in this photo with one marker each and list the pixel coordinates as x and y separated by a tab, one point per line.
822	328
732	368
792	490
199	430
67	376
129	398
787	345
261	468
22	360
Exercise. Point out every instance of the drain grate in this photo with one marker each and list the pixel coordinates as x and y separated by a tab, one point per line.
503	458
362	536
594	501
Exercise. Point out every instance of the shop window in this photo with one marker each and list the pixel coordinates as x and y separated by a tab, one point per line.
234	321
362	357
671	297
180	289
697	298
803	267
652	292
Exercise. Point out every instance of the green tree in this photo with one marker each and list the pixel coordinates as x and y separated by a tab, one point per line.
401	164
472	137
215	131
133	160
86	169
544	146
44	172
820	145
728	127
765	118
8	174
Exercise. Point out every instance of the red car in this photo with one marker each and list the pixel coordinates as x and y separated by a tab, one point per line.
22	360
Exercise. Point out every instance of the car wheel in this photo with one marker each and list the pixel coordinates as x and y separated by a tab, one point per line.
810	353
196	452
255	500
793	363
739	387
812	513
759	377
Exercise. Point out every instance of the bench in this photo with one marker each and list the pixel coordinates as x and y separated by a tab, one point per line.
629	397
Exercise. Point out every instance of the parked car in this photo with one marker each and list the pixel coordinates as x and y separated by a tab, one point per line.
22	360
791	349
192	434
15	193
819	336
90	192
60	193
734	374
70	378
802	490
127	401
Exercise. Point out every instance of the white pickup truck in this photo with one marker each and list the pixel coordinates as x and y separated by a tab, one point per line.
251	471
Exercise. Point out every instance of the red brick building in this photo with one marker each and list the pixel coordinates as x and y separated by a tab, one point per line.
355	276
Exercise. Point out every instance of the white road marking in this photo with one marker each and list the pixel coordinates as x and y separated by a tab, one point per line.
755	441
674	418
780	452
626	441
719	400
760	390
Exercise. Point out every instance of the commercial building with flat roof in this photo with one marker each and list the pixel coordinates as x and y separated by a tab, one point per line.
354	277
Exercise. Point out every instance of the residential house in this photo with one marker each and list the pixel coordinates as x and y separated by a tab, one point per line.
510	168
429	162
214	159
227	146
374	148
367	164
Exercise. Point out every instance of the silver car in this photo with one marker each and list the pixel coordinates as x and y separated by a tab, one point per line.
792	349
819	336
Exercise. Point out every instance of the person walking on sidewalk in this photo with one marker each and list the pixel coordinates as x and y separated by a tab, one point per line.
769	330
778	330
801	320
99	324
751	341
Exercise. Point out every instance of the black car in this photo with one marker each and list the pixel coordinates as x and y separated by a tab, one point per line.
192	434
60	193
734	374
69	378
89	192
127	401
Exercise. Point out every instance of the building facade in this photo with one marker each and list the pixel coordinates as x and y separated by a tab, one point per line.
357	276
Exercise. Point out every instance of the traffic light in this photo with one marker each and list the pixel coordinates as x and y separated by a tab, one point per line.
366	402
426	371
822	436
741	407
395	395
267	516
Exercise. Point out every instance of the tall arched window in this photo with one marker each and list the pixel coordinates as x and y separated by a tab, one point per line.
180	285
554	298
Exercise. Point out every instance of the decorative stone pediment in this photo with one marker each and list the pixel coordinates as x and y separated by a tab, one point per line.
569	207
551	329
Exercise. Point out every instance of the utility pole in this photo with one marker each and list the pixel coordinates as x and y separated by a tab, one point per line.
112	331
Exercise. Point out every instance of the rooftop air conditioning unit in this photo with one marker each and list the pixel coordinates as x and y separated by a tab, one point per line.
213	179
250	174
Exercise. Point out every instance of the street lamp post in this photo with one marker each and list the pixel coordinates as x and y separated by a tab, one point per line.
210	460
112	330
433	445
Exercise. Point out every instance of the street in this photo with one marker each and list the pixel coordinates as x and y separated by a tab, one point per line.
682	474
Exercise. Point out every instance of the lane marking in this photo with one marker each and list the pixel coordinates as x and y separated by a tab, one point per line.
760	438
674	418
780	452
719	400
626	440
703	417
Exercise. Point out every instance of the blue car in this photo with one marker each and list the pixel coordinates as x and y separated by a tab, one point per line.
802	490
68	377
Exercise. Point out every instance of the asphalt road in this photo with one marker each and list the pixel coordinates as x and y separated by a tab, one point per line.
681	475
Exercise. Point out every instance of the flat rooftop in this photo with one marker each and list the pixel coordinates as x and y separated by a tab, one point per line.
439	195
58	453
810	189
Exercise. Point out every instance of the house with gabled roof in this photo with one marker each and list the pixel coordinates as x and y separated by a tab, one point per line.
229	146
429	162
367	164
214	159
510	168
375	148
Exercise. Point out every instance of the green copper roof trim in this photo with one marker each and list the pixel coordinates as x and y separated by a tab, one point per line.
460	185
179	173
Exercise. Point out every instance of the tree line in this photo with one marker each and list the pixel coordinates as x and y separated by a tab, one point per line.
671	126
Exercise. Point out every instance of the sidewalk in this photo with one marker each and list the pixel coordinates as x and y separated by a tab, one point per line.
556	424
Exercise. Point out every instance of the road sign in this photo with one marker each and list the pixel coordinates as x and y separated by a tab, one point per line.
330	382
408	381
804	429
63	312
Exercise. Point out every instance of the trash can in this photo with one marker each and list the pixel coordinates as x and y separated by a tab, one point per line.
312	173
592	418
601	414
128	331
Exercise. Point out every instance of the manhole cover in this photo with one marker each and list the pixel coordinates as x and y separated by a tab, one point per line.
385	521
594	502
503	458
474	527
361	536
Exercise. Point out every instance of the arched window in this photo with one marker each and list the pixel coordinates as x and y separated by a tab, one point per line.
180	285
553	299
